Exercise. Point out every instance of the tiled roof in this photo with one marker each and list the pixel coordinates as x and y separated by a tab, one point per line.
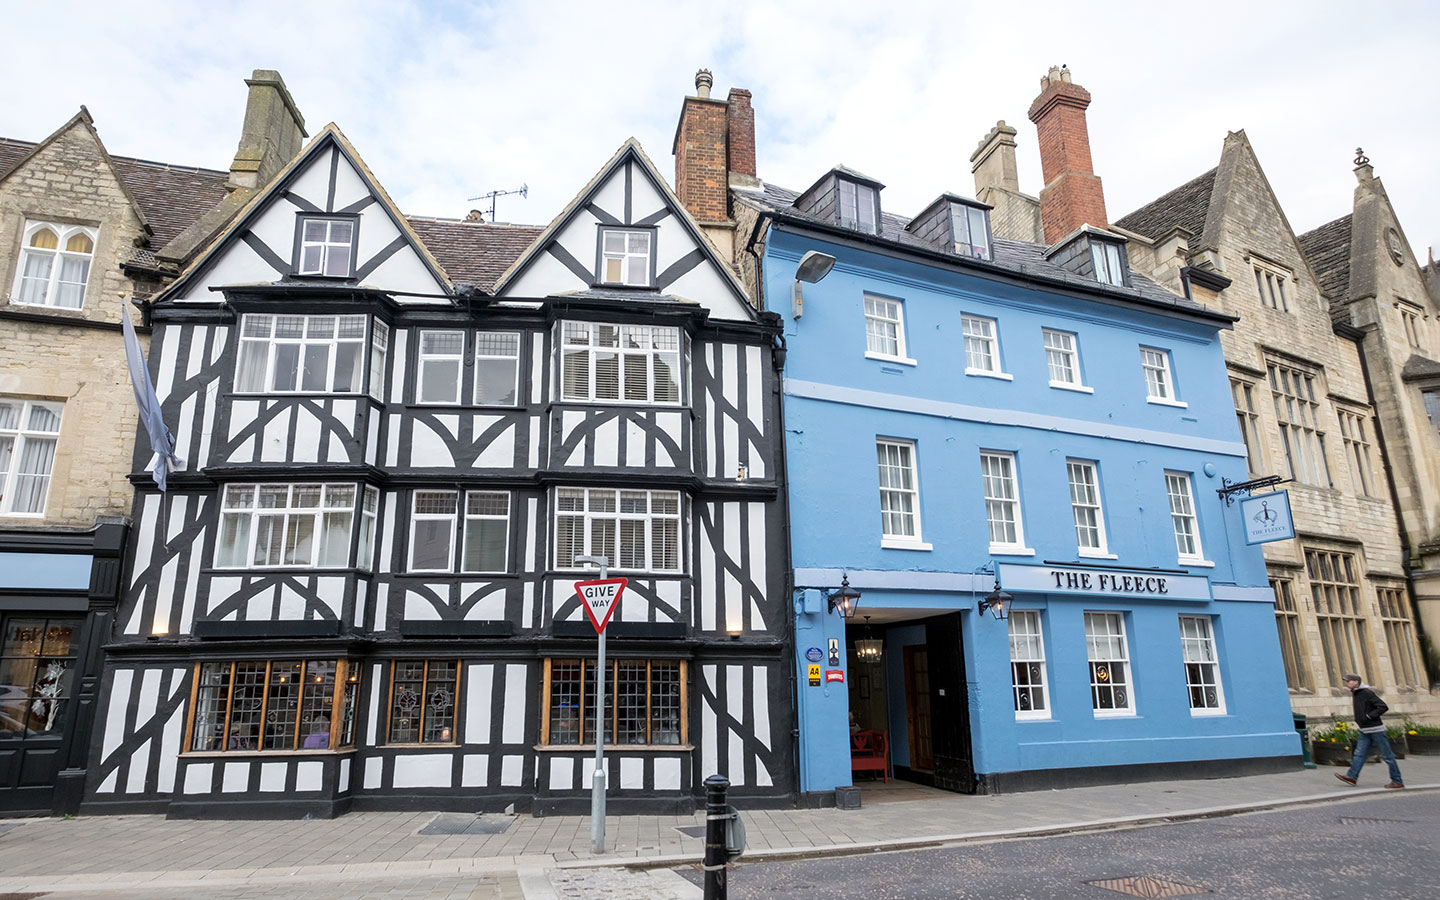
475	252
171	197
1327	248
1018	257
1184	207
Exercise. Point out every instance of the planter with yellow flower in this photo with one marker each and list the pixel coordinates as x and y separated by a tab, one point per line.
1423	739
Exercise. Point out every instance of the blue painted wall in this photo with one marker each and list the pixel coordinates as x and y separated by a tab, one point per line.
837	402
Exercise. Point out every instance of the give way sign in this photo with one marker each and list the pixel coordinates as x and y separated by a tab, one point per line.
600	597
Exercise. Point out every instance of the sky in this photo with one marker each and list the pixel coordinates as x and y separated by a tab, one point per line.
450	100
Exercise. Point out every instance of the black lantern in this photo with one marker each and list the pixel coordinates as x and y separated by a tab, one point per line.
845	598
997	601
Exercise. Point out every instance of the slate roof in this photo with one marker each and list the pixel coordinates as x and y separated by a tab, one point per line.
1017	257
172	197
475	252
1327	249
1184	207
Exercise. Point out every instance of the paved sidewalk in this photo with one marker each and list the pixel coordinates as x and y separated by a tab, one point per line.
384	855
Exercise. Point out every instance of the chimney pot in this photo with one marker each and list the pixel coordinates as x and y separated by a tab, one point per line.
703	82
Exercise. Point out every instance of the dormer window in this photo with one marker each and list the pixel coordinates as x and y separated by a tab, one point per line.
857	208
1108	258
970	229
627	256
326	247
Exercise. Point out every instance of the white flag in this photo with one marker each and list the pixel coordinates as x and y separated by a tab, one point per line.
161	440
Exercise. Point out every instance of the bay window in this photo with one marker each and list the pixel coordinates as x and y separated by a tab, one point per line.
307	354
636	530
274	705
624	363
290	525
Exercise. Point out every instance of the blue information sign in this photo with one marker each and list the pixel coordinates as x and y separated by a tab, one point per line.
1267	518
814	654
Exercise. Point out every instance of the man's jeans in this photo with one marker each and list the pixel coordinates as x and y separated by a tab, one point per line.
1362	750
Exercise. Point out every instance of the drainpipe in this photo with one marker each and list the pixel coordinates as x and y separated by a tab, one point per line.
1358	336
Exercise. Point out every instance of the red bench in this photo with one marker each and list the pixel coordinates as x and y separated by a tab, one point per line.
870	752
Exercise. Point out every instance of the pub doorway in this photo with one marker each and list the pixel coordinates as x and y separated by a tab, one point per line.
908	697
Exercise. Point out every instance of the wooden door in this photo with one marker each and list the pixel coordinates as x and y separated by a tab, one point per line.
37	669
917	708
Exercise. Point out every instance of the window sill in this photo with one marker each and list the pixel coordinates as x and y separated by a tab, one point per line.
433	745
296	395
257	571
1115	714
896	544
611	748
1033	718
74	310
900	360
1207	713
253	754
1010	550
1197	563
1095	554
1162	401
1078	388
984	373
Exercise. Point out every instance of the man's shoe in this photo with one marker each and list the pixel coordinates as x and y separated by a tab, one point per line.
1395	784
1345	778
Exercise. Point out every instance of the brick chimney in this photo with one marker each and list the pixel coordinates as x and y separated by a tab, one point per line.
1072	195
273	133
714	149
740	134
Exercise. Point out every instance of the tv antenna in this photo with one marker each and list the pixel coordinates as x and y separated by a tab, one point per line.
523	191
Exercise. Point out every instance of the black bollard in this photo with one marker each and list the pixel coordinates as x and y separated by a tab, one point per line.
717	813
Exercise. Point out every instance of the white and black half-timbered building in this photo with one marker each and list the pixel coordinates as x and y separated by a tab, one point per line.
357	591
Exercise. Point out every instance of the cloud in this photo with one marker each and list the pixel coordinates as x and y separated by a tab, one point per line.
449	100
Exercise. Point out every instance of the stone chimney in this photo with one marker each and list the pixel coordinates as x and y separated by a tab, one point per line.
273	133
1072	195
997	182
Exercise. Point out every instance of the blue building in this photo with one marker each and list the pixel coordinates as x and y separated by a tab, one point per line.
968	417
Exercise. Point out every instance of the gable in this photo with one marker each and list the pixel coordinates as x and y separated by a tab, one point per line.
328	178
91	184
627	192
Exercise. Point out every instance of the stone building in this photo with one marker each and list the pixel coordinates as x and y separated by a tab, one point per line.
1378	295
1307	413
81	233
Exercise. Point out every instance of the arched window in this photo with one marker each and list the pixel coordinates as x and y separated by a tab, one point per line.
48	275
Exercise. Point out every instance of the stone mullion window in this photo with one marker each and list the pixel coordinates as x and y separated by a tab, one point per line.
1243	394
1357	451
1287	624
1298	412
1398	620
54	267
1335	592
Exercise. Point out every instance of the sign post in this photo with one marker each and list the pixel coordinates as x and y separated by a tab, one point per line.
599	599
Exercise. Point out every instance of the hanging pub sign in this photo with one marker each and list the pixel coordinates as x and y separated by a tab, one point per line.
1267	518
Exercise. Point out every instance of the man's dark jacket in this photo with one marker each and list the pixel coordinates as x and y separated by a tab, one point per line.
1368	708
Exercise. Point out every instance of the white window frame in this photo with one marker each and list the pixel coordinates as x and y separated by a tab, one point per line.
853	201
1095	655
242	512
260	345
1085	498
1184	518
17	437
1003	465
982	336
1159	377
1062	351
593	351
627	258
379	350
906	464
1201	658
1027	648
881	313
328	247
452	517
590	513
369	522
1108	260
472	516
490	357
964	243
428	358
57	257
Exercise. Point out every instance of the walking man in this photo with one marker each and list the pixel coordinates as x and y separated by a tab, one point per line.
1368	710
